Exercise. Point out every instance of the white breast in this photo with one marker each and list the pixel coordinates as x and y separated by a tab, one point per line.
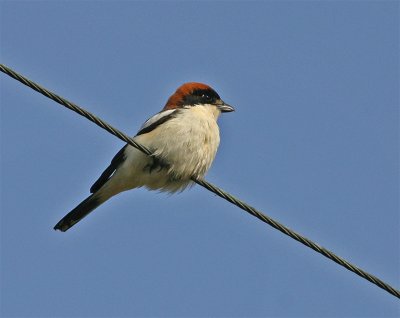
187	142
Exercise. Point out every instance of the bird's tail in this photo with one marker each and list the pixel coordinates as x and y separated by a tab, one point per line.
83	209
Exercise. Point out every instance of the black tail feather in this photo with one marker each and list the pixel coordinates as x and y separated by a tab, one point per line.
77	214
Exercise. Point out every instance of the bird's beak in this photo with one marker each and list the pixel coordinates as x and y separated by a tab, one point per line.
224	108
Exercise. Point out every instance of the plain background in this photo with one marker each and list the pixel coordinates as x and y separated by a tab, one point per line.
313	143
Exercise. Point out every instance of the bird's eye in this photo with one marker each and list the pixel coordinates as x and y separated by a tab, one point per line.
206	97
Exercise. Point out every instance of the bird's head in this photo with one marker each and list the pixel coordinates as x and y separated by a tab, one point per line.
195	94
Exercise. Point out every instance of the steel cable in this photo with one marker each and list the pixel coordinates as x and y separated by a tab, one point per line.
221	193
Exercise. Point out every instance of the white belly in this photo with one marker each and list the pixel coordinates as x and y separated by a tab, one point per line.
187	143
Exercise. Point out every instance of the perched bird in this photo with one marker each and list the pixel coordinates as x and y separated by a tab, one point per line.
184	138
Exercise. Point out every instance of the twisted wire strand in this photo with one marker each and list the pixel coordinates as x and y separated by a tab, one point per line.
221	193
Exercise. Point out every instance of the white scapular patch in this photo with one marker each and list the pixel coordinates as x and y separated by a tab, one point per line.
156	118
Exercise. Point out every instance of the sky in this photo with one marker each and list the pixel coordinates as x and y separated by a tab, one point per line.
314	144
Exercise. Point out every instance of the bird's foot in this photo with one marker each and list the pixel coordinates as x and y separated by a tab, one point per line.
157	164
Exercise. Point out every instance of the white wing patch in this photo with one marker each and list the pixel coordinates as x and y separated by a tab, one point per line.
156	118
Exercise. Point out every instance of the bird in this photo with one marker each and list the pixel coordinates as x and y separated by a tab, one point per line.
183	138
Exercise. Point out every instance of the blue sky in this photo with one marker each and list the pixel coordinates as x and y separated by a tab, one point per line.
313	143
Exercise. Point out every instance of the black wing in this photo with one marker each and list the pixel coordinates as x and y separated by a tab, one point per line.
115	163
119	158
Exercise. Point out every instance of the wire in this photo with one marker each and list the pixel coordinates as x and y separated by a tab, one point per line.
221	193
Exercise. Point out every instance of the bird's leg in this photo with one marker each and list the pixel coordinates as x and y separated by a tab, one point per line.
156	163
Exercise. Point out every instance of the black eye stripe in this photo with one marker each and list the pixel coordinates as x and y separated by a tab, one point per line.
201	96
206	92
